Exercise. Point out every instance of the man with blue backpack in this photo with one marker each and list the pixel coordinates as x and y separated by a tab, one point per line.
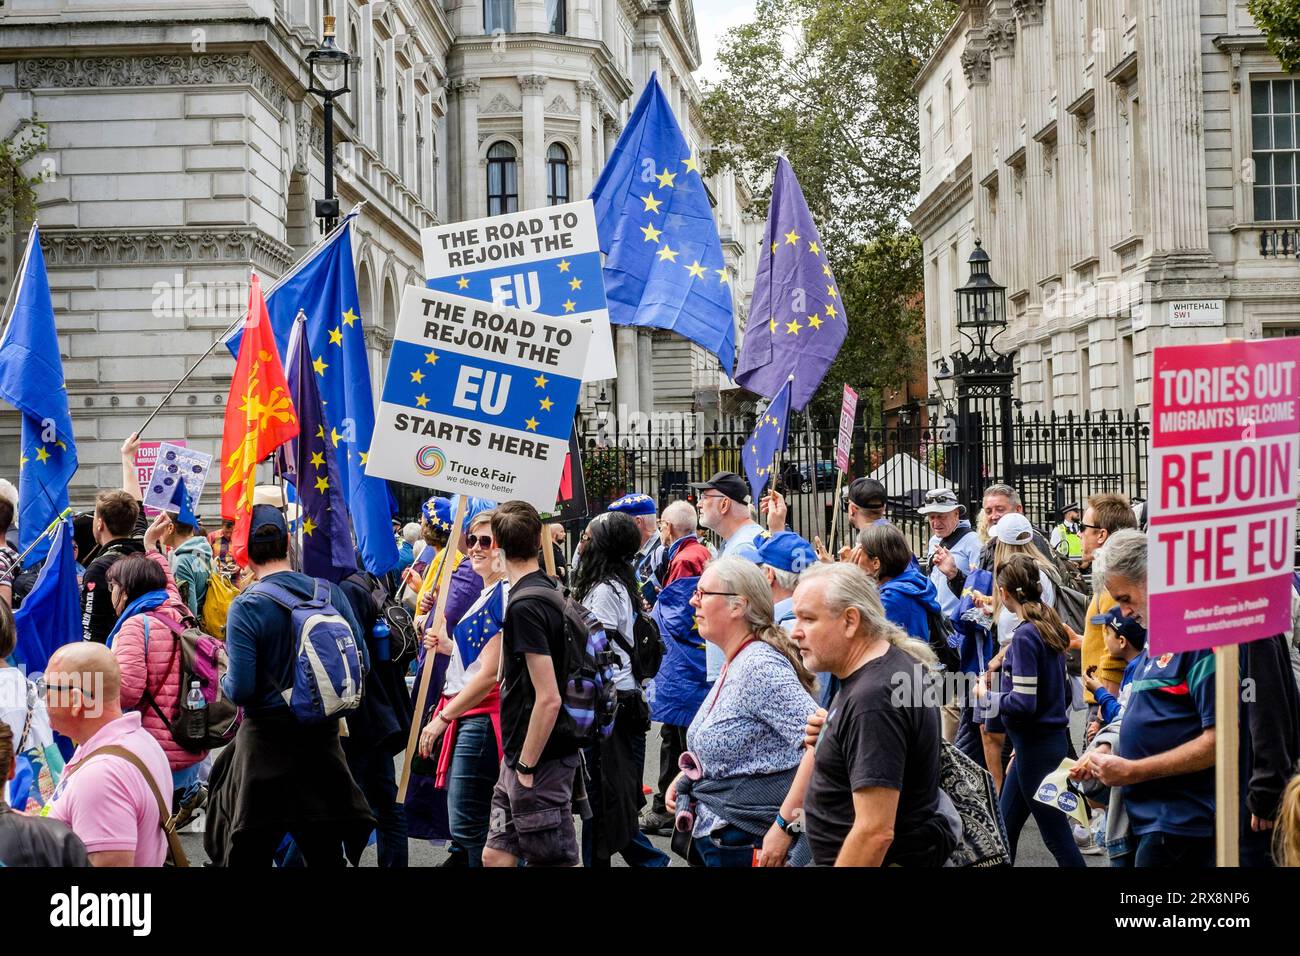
557	694
297	663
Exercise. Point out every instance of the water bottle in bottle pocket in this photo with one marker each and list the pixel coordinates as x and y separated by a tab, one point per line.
196	713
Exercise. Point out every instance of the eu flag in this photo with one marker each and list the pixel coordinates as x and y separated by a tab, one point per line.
767	441
324	287
309	462
31	380
663	259
473	631
796	320
181	501
50	615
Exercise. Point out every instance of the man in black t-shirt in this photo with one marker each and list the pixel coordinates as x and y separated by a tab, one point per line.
868	793
532	805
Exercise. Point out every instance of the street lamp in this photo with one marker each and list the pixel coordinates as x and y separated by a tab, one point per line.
328	68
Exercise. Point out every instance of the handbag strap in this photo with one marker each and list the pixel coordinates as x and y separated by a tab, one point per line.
175	852
152	695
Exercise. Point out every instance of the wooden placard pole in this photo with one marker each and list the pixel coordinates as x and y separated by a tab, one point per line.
439	625
548	550
1227	795
835	513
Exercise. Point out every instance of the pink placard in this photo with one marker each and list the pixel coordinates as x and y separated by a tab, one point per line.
848	410
1225	448
146	456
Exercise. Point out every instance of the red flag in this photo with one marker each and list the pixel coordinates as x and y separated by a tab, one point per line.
260	418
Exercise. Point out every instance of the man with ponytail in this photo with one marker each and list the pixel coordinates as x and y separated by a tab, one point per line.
868	793
1033	704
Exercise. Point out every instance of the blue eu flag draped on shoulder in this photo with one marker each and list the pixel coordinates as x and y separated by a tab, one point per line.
31	379
663	259
324	286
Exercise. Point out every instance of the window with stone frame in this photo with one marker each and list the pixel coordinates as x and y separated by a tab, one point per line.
502	179
557	175
1280	331
499	16
1273	109
557	17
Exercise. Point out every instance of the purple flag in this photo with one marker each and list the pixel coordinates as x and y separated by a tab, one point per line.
796	320
308	462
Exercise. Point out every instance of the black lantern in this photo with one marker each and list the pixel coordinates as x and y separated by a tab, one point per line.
983	378
328	69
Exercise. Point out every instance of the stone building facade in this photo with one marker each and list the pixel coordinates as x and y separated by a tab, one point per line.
1122	161
183	151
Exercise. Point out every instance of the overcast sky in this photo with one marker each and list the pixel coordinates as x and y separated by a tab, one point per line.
714	18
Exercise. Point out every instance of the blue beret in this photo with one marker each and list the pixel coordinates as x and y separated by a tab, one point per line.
634	505
437	511
786	551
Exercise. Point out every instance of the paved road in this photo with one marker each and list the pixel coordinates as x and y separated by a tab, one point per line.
1031	850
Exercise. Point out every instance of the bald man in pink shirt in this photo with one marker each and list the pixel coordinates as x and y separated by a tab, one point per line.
104	798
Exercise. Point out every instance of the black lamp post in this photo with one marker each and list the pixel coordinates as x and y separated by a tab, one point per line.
982	378
328	68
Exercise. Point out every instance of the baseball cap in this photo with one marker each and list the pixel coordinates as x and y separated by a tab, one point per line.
867	493
1125	627
727	482
1013	528
267	515
633	505
940	502
785	551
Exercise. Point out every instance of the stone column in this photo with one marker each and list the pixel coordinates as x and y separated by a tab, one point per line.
612	128
1109	198
975	63
532	191
1002	118
468	191
629	394
609	26
588	104
1174	101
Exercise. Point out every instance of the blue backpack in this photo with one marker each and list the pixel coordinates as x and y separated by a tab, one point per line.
588	695
328	671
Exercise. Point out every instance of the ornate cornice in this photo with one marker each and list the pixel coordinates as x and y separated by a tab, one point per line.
246	245
190	69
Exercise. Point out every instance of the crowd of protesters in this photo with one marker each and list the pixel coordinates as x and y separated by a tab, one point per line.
812	708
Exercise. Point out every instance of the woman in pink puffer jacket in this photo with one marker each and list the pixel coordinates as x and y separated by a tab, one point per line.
142	587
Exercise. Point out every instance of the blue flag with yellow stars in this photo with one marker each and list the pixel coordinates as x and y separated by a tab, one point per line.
663	259
50	615
767	441
181	502
31	380
796	320
478	627
324	286
309	462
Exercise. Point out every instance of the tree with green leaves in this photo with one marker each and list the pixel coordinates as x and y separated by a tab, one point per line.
1280	21
829	83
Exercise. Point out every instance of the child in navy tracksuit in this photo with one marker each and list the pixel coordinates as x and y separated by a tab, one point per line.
1033	706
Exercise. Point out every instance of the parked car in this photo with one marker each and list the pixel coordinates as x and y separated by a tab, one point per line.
825	476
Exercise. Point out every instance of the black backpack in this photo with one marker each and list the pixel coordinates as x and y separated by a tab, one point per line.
403	643
587	693
941	630
646	650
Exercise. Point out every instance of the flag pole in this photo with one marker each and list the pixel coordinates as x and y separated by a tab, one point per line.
439	625
48	532
297	267
812	449
18	277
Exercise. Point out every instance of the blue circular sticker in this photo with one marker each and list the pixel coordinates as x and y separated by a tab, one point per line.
1047	791
1067	801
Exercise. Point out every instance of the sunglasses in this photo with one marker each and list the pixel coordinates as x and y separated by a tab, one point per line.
1090	527
43	688
483	541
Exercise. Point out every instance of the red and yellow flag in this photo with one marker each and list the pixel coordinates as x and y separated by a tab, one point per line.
260	418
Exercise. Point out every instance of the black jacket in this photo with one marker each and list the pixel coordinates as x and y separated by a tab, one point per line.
383	720
97	612
38	841
1269	725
